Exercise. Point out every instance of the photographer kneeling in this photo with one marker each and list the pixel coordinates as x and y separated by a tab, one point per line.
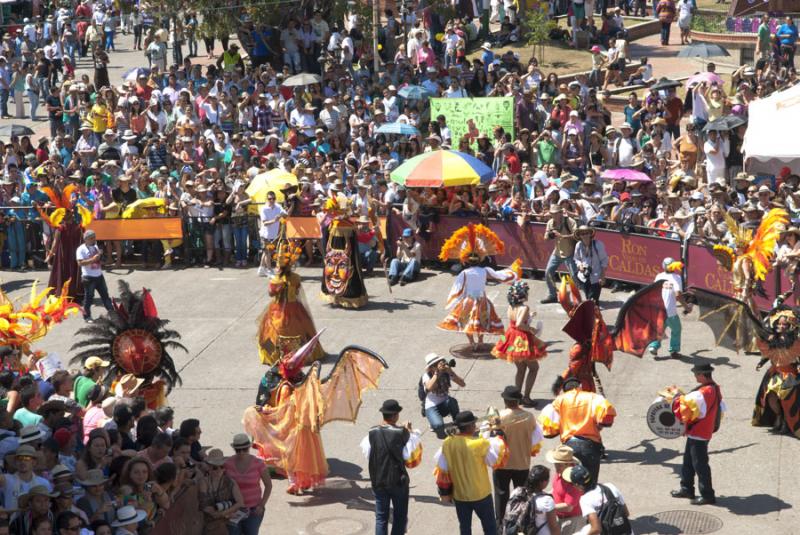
435	391
592	261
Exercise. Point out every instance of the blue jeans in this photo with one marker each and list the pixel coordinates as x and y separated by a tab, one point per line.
110	40
407	270
550	271
398	498
674	324
240	242
16	244
33	98
483	508
435	415
90	284
4	94
248	526
665	32
368	255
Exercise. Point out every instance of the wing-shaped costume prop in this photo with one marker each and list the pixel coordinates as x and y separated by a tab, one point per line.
569	297
641	320
286	434
733	323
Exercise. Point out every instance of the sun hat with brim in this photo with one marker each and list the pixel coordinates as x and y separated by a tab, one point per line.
791	230
609	200
511	393
241	441
30	433
577	475
583	229
751	207
561	455
432	359
26	451
36	490
286	147
127	516
215	457
765	189
96	362
59	471
94	478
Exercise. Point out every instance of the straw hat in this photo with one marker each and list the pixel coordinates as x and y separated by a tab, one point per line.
127	516
561	455
241	441
583	229
36	490
94	478
215	457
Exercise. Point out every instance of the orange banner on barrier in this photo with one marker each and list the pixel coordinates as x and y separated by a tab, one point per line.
307	228
155	228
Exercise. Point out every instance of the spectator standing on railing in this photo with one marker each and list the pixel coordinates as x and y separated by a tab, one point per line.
560	228
270	226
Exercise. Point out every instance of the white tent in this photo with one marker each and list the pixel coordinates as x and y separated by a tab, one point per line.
771	140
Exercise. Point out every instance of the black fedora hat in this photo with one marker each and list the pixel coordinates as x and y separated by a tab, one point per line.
465	418
512	393
702	368
390	407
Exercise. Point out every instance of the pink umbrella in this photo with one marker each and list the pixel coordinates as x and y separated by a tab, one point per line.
708	77
629	175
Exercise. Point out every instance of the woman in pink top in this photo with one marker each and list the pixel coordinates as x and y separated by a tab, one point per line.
425	55
566	496
250	473
94	417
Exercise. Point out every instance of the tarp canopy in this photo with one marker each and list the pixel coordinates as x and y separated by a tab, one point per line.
772	127
749	7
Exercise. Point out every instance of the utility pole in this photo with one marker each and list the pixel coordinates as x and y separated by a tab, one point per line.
376	17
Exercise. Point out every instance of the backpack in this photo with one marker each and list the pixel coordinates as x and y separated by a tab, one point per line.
520	515
611	514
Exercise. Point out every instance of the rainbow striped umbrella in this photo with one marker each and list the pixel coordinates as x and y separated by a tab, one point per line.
442	169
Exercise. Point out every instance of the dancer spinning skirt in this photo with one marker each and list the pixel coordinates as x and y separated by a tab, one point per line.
471	311
519	343
342	283
286	324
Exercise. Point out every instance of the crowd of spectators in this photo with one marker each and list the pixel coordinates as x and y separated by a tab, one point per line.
196	135
77	456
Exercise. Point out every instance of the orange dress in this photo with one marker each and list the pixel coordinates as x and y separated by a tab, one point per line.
471	311
519	343
286	324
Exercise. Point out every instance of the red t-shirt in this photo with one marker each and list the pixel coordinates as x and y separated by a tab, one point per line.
564	492
514	165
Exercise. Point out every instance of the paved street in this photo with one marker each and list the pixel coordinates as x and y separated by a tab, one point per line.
216	311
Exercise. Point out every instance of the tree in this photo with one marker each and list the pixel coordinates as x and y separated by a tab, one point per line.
538	26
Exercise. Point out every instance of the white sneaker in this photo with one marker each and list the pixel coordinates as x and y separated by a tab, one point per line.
262	272
653	350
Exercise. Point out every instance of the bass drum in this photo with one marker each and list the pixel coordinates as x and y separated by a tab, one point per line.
662	421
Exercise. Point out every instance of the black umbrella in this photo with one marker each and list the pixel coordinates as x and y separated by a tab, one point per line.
10	130
665	83
729	122
702	50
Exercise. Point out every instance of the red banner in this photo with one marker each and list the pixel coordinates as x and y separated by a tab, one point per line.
703	271
631	257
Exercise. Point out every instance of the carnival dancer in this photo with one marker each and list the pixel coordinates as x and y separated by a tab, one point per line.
701	411
69	220
471	311
285	325
286	428
342	282
461	472
580	367
750	259
519	344
578	417
136	343
777	396
672	294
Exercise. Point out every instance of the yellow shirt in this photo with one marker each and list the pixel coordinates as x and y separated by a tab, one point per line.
99	118
462	462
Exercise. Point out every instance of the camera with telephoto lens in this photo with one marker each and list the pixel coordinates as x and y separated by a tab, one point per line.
450	363
222	506
585	273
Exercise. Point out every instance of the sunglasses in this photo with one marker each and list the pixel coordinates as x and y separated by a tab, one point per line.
24	458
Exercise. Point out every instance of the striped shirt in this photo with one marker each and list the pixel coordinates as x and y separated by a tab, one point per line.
249	482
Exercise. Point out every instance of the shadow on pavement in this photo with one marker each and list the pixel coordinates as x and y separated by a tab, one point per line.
698	358
341	492
757	504
651	524
649	456
14	285
397	304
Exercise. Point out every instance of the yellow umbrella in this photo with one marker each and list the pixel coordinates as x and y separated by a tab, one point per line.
149	207
273	181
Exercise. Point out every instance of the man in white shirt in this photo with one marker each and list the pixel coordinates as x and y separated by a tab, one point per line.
89	256
413	46
671	294
716	149
271	214
406	264
303	120
593	499
291	51
21	482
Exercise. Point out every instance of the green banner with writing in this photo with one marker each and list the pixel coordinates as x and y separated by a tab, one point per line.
474	115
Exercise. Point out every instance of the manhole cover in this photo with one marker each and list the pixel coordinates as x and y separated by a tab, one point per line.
683	522
338	525
465	351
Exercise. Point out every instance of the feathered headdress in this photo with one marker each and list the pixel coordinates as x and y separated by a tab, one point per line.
21	326
476	241
66	199
133	338
759	247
